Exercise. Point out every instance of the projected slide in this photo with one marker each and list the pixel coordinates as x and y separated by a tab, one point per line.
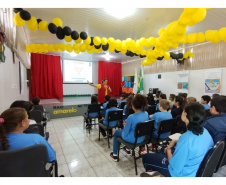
77	71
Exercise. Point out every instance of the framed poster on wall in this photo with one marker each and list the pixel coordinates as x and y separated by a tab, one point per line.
182	81
213	81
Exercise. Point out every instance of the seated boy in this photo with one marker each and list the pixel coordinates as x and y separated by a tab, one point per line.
103	111
205	99
122	99
216	124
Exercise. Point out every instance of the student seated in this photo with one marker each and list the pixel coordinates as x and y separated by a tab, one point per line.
92	114
171	100
13	122
215	95
191	100
27	105
205	99
139	103
161	97
103	111
150	99
122	99
178	106
216	124
191	148
128	107
112	104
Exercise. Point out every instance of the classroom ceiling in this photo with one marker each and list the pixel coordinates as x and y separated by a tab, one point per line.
96	22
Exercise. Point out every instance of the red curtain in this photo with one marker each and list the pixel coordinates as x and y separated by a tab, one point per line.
46	76
113	72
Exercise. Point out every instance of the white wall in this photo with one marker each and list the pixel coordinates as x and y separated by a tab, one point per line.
168	82
71	89
9	81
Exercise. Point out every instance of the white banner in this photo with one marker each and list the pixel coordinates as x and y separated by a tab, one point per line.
212	81
182	81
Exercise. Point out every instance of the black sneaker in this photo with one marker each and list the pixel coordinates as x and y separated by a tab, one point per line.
128	152
115	158
151	174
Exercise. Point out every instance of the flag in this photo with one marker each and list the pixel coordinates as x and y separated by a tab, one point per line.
135	82
140	81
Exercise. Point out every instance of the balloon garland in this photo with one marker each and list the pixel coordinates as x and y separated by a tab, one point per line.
171	36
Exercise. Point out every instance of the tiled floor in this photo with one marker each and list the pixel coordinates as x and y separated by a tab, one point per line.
80	154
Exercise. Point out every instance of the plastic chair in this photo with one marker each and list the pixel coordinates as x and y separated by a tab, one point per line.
210	161
179	126
142	129
37	129
92	108
122	105
222	161
112	116
27	162
151	109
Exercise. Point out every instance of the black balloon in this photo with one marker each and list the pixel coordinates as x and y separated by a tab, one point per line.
67	30
131	54
60	34
91	43
172	55
83	35
25	15
160	58
105	47
74	35
17	10
52	28
39	20
116	51
97	47
136	54
127	53
180	55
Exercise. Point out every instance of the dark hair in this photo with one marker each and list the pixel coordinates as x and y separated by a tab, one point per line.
215	95
181	101
35	100
27	105
112	102
172	96
139	102
129	104
219	103
94	100
195	114
206	98
12	117
157	95
107	97
164	104
104	79
163	96
123	95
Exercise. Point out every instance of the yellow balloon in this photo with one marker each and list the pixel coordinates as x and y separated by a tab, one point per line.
87	41
161	31
18	20
97	41
77	51
191	38
68	38
90	51
89	47
43	25
222	33
142	41
216	37
62	46
75	46
152	41
118	43
82	47
123	46
199	15
111	40
28	49
190	10
78	41
123	51
44	45
104	41
200	37
56	47
69	48
57	21
180	29
96	50
209	34
167	56
50	47
32	24
184	19
128	42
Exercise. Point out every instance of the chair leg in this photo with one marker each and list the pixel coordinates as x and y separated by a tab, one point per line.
108	139
147	148
99	133
135	163
118	151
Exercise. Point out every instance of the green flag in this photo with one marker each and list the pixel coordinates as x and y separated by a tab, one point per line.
140	81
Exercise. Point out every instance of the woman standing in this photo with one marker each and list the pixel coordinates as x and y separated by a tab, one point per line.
103	90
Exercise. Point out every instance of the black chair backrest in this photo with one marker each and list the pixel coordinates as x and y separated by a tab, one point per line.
166	126
151	109
208	114
36	115
144	128
115	115
25	162
179	126
210	161
93	108
122	105
35	129
39	107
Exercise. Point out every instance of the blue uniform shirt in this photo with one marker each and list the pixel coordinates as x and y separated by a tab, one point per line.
160	116
103	111
189	153
206	106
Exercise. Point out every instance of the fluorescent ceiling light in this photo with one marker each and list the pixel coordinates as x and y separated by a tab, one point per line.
73	54
107	56
120	13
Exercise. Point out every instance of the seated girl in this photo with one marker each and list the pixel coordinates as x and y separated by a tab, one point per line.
13	122
191	148
139	103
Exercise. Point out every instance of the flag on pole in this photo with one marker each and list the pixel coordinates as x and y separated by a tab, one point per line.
140	81
135	82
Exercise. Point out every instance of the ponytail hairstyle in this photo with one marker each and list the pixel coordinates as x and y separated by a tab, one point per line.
129	104
140	102
10	120
195	114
